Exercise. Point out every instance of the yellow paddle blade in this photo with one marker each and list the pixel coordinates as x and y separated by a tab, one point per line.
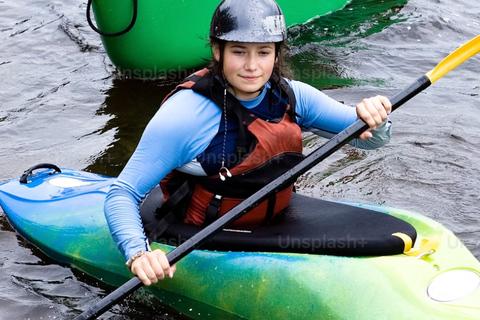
454	59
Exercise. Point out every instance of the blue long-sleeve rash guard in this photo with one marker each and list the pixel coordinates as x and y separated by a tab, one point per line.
182	129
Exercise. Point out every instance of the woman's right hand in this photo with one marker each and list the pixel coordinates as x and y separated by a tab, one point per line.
152	267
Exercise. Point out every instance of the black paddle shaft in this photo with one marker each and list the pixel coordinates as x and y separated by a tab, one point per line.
279	183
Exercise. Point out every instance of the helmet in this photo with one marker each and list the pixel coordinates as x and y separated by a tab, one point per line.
248	21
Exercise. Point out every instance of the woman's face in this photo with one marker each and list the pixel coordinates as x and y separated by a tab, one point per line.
247	66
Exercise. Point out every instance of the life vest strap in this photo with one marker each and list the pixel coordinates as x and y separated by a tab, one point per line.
211	214
167	213
272	200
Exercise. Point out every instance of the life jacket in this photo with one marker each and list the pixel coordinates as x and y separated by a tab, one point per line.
277	147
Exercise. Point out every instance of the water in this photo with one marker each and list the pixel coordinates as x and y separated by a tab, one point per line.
62	102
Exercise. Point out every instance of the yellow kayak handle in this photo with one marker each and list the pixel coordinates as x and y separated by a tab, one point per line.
454	59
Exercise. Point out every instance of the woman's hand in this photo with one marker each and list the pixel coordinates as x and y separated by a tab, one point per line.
152	266
374	111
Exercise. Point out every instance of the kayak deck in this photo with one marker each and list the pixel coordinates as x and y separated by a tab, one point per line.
62	214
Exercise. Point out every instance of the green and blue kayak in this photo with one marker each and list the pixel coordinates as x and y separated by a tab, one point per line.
170	36
317	260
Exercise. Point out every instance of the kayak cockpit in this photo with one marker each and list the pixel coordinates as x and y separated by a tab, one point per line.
308	225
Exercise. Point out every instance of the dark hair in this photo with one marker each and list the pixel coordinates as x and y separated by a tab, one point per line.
280	69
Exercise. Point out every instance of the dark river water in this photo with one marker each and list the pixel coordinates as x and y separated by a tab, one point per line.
61	101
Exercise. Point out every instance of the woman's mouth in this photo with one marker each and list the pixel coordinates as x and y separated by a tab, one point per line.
249	78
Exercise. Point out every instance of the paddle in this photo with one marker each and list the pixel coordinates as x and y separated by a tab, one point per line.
449	63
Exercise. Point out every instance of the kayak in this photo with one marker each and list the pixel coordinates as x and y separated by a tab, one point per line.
317	260
162	39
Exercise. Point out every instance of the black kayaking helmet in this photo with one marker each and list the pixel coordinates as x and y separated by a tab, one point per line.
248	21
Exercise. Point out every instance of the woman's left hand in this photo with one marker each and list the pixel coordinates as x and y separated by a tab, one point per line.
374	111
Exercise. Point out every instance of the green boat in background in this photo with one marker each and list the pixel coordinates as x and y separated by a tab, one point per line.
158	39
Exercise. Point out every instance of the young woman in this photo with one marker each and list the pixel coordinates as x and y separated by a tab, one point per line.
227	131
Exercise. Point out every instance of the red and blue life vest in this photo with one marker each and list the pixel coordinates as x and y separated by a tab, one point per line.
262	143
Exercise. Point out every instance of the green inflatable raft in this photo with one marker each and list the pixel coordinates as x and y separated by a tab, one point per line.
318	260
162	39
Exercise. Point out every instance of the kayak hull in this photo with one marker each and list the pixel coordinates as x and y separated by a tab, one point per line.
170	37
62	214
